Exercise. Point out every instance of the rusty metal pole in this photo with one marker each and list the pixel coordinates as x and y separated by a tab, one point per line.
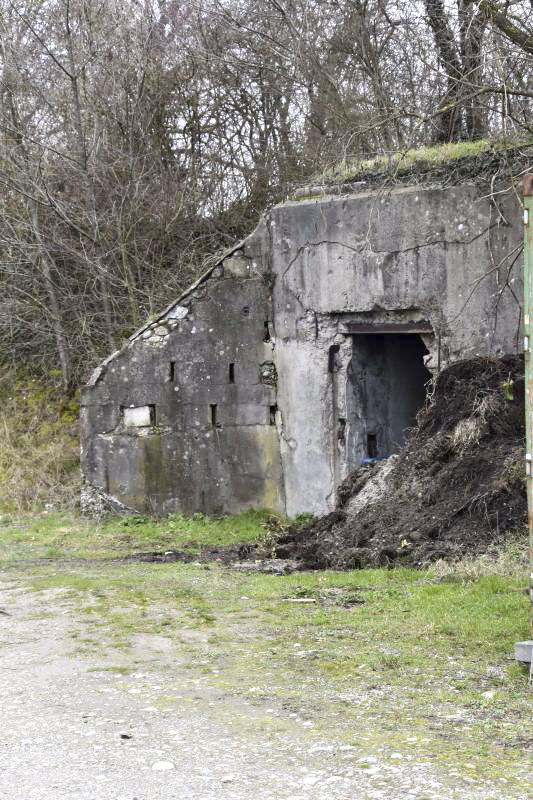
528	341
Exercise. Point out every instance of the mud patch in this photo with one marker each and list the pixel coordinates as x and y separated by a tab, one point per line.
456	488
234	556
157	557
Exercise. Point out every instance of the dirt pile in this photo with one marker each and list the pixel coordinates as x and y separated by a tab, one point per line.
457	486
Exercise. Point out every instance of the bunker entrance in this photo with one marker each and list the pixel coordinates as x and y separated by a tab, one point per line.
387	385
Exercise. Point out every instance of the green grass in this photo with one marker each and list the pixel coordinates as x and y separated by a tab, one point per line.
66	535
380	657
426	157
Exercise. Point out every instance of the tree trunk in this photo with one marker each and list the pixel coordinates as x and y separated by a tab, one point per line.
500	20
472	27
449	126
55	307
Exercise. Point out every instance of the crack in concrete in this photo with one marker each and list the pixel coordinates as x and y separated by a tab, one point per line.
369	249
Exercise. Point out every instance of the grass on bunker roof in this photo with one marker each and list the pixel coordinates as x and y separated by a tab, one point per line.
403	162
417	662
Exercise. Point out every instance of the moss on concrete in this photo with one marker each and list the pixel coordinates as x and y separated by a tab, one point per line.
457	161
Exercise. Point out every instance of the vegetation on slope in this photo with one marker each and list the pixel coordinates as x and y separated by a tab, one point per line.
39	443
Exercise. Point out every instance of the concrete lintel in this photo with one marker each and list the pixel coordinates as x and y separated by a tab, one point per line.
351	328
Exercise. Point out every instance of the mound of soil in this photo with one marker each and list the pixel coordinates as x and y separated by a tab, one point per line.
457	486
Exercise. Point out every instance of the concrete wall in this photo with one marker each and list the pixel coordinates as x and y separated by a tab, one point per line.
285	429
211	442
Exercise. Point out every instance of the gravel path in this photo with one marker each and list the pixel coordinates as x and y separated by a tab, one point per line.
70	728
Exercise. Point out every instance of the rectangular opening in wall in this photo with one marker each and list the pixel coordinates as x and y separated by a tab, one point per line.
341	430
232	373
138	416
332	357
172	371
273	412
372	445
266	337
213	414
386	388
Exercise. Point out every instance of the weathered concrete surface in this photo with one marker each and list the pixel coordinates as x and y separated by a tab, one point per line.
205	372
439	255
290	421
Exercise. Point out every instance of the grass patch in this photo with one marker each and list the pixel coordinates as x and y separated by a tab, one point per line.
195	532
66	535
424	158
503	560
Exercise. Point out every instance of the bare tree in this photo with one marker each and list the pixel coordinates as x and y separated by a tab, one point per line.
137	138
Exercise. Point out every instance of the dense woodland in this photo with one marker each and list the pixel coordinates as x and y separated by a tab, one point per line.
139	137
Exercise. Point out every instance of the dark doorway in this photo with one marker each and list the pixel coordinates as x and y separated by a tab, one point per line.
387	386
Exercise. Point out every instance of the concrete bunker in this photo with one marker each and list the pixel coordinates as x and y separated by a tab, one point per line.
302	351
387	383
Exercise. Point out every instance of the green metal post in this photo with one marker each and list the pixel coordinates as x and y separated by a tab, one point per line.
528	342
